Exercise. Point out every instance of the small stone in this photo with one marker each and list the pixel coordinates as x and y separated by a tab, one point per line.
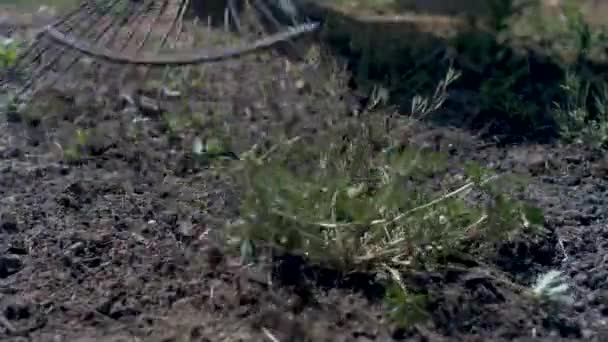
599	279
169	93
8	223
581	278
600	169
587	334
77	247
574	159
214	257
186	229
572	181
537	163
9	265
169	217
17	309
579	306
303	86
592	298
138	237
18	248
148	106
13	153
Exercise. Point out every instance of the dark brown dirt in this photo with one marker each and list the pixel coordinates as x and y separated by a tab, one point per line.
123	245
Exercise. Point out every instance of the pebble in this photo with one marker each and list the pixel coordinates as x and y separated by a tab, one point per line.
587	333
599	279
581	278
8	224
9	265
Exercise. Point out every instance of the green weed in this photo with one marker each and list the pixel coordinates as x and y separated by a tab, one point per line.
78	147
573	116
582	114
9	50
354	202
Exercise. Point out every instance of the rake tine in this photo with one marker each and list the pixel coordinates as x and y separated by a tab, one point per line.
234	14
147	35
125	20
69	28
67	36
176	19
260	7
23	60
58	22
87	14
154	22
62	50
132	28
76	56
185	4
131	34
180	15
195	22
180	28
265	10
174	25
226	20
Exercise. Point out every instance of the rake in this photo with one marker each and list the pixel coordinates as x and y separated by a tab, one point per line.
108	39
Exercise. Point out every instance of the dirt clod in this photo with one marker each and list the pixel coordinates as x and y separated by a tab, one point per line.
9	265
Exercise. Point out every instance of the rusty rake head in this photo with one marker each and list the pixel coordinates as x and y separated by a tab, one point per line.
108	38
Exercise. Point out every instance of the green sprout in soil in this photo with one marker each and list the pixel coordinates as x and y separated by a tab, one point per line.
175	124
9	50
406	308
211	150
573	116
9	107
580	112
74	152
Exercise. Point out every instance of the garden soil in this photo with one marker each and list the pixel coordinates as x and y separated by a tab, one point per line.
122	246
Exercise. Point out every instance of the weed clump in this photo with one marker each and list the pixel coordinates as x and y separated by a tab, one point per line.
358	209
356	198
9	49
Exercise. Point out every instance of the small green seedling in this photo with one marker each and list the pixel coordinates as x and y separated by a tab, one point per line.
553	287
212	148
9	49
